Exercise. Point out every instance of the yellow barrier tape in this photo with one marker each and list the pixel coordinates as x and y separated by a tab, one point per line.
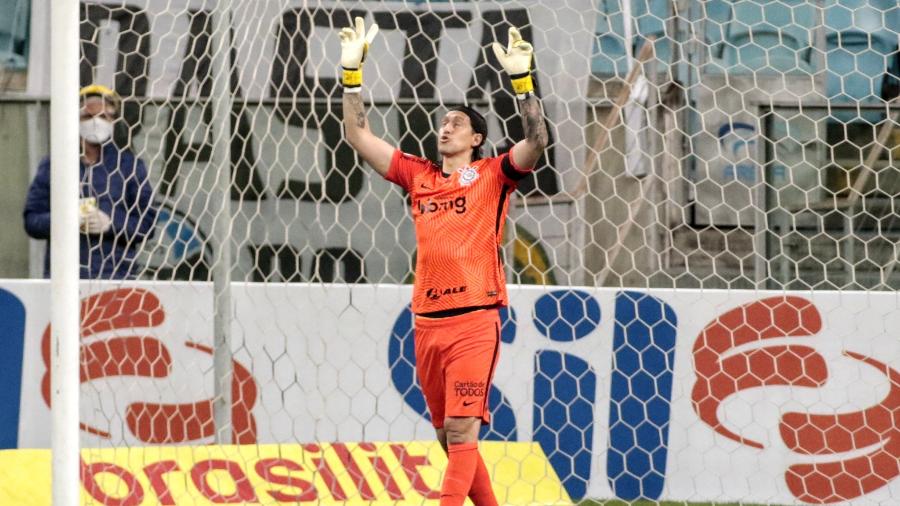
337	473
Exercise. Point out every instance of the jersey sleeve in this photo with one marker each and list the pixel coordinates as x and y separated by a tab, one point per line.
403	168
511	172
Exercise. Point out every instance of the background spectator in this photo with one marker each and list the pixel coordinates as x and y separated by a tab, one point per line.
117	211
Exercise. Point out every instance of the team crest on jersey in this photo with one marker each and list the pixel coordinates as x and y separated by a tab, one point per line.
467	175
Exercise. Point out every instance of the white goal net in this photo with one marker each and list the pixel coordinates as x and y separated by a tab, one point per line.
703	267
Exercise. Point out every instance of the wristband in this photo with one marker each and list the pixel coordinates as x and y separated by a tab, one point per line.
352	80
522	83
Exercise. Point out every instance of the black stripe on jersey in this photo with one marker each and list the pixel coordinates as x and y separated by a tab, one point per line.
510	171
505	192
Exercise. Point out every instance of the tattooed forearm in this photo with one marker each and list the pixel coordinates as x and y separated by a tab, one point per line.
533	122
354	110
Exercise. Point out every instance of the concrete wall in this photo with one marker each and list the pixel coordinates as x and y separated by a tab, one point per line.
15	170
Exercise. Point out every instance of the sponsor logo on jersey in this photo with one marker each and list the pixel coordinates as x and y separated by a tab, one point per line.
437	293
457	205
467	175
469	388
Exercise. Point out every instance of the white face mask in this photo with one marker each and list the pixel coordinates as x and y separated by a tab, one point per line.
95	130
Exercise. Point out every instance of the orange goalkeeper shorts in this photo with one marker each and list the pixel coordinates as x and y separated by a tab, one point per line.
455	361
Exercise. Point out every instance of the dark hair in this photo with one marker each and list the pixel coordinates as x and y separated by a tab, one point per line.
479	126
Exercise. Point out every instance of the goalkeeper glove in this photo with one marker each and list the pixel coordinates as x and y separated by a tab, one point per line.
354	46
516	60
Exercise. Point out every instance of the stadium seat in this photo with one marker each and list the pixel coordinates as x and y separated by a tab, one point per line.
767	36
717	15
13	33
650	17
892	17
608	54
858	49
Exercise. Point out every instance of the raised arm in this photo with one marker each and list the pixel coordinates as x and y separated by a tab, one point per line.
354	46
516	59
527	151
373	149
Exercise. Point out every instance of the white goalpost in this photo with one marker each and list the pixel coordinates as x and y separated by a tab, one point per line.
702	271
64	296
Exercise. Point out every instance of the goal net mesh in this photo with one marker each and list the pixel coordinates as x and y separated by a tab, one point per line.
753	148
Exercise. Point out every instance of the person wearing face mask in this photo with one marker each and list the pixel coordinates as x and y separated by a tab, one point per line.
116	209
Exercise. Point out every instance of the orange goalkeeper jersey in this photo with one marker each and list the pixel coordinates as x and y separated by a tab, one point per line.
459	225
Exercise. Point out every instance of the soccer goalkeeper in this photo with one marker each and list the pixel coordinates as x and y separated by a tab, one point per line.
459	206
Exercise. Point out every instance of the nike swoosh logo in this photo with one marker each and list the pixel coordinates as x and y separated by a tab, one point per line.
468	403
426	187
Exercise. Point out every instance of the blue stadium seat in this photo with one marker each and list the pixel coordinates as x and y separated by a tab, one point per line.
892	18
14	33
650	17
717	15
608	57
766	36
859	47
